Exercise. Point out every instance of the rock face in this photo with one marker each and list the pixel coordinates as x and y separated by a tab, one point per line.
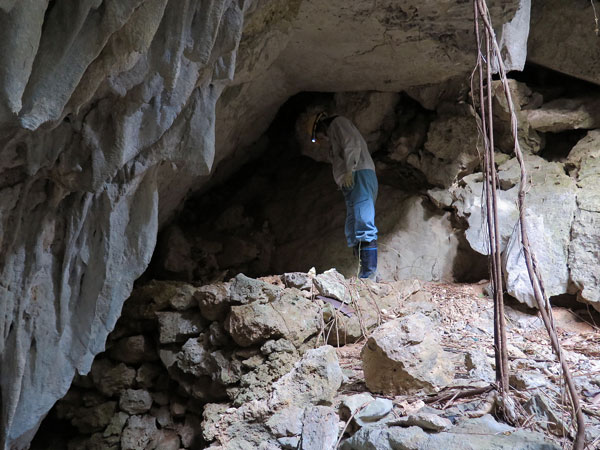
403	356
571	49
295	317
585	240
550	207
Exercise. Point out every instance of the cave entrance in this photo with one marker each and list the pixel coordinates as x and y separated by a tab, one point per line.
282	212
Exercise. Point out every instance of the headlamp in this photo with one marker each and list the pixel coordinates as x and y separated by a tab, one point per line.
319	117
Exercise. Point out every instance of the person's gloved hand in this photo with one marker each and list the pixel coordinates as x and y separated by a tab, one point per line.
348	182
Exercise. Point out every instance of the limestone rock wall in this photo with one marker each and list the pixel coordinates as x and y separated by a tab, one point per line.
98	99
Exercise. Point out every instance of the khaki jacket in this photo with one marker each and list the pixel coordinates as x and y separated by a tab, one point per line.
349	150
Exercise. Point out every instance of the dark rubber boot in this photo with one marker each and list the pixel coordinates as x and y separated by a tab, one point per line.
368	260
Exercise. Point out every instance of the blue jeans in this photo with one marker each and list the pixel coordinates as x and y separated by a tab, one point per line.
360	208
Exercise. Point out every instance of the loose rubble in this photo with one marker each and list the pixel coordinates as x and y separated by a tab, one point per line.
246	364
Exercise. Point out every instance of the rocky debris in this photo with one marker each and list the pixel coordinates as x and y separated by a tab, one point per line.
157	296
551	205
175	326
450	150
479	366
566	114
370	302
110	379
96	418
425	421
281	395
138	432
364	408
213	300
164	440
314	379
332	284
319	428
404	356
469	434
290	315
135	401
147	374
298	280
545	415
286	422
275	359
584	159
134	350
119	55
196	359
246	290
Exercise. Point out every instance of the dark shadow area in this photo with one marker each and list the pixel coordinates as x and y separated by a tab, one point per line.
552	84
53	434
558	145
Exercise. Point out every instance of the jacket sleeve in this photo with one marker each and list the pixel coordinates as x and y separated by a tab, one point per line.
349	140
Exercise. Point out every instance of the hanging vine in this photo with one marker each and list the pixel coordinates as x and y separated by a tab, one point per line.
482	20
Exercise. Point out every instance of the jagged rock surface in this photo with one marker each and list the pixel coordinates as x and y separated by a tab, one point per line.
404	356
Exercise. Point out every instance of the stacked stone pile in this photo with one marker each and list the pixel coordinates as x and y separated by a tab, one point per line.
245	364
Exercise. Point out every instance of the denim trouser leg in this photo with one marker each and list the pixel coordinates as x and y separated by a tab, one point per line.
360	208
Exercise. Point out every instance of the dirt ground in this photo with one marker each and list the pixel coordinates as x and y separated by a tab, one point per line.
464	314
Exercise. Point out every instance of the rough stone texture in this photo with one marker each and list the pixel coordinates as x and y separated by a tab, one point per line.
135	401
368	300
138	432
276	359
450	150
550	207
112	380
179	326
319	428
525	102
287	422
548	417
290	316
584	248
404	355
332	284
298	280
246	290
158	295
197	359
565	114
470	434
425	421
365	409
571	50
213	300
95	418
165	440
314	379
134	350
107	123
